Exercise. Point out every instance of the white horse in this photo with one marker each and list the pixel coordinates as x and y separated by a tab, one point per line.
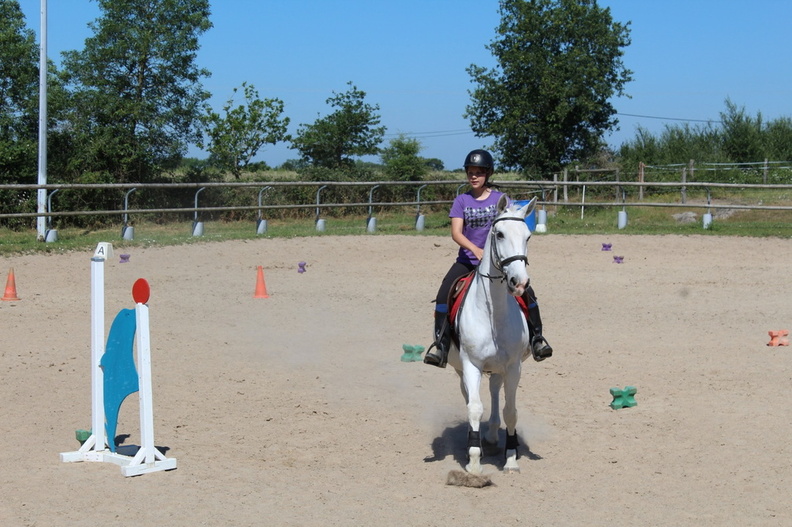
493	333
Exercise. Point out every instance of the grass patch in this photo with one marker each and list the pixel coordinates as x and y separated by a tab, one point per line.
561	220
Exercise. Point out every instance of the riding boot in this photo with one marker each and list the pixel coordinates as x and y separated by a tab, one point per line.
442	342
541	348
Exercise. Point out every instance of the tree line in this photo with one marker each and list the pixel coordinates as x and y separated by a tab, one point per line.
126	107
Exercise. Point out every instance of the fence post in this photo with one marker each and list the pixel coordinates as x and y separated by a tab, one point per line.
640	179
683	189
566	179
764	173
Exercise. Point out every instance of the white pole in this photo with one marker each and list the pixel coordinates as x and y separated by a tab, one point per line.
41	223
97	350
144	383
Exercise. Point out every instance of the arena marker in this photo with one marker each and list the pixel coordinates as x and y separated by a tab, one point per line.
261	287
104	250
618	259
10	294
623	398
607	246
301	267
124	258
411	353
777	338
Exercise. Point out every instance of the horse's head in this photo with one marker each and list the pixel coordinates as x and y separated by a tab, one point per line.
509	244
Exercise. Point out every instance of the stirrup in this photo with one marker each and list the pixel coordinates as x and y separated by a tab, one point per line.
541	348
438	359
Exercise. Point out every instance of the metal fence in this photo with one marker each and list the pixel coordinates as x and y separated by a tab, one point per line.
624	194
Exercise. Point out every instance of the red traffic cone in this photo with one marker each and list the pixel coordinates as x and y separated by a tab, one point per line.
10	290
261	287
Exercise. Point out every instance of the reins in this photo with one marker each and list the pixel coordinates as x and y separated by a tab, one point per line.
495	256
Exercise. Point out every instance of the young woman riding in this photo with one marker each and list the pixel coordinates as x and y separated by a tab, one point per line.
471	216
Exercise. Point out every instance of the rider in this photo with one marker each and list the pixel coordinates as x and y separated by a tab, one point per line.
471	216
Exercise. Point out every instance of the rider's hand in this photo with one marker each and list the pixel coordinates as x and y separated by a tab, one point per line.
479	252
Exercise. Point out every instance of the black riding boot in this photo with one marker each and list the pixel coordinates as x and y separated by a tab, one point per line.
441	344
541	348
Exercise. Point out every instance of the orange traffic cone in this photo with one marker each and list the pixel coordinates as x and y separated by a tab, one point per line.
261	287
10	290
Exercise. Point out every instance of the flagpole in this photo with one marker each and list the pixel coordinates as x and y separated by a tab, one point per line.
41	223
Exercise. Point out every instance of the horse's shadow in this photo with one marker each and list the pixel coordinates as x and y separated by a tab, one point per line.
453	441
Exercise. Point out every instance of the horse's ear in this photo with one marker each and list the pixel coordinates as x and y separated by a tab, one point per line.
503	203
529	207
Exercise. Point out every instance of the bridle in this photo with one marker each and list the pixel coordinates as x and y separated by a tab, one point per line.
497	261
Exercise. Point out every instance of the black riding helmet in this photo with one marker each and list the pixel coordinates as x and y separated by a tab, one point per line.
480	158
483	159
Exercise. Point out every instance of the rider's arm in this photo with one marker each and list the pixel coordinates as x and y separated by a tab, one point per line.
461	239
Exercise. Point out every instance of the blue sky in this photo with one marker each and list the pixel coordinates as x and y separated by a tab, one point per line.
410	57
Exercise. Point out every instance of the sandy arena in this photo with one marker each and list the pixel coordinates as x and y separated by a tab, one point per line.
295	410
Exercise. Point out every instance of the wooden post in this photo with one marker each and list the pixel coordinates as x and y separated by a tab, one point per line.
684	190
555	188
640	180
764	173
566	179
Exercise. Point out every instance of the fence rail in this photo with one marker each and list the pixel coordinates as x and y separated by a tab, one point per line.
542	188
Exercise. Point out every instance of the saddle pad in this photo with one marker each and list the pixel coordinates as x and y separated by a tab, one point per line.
457	298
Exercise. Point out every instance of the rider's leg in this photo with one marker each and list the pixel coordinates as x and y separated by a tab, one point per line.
541	348
442	340
442	330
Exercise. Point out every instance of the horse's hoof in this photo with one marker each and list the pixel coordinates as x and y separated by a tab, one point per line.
511	470
473	469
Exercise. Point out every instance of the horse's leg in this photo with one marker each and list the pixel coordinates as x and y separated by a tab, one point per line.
472	379
510	418
491	439
462	386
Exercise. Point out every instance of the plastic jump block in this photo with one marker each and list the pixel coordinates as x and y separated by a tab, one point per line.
618	259
777	338
623	398
607	246
411	353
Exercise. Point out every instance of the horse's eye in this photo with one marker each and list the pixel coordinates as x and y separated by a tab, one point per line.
499	235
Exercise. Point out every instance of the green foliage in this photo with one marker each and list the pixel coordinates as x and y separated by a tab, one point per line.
401	160
739	138
19	82
351	130
236	137
136	91
548	100
741	134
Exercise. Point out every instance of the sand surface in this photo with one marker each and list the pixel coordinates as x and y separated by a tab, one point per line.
296	410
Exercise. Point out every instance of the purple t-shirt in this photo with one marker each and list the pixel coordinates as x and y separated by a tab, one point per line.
477	216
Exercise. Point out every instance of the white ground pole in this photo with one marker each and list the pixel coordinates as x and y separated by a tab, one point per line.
148	458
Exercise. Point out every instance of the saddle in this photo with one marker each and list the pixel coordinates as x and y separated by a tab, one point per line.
456	298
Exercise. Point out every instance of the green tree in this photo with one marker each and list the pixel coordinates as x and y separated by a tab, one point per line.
559	62
401	160
19	82
236	136
778	138
136	92
351	130
742	134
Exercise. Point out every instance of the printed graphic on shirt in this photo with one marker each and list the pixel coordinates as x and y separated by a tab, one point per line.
477	217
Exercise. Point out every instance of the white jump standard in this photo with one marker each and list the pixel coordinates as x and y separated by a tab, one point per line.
97	447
